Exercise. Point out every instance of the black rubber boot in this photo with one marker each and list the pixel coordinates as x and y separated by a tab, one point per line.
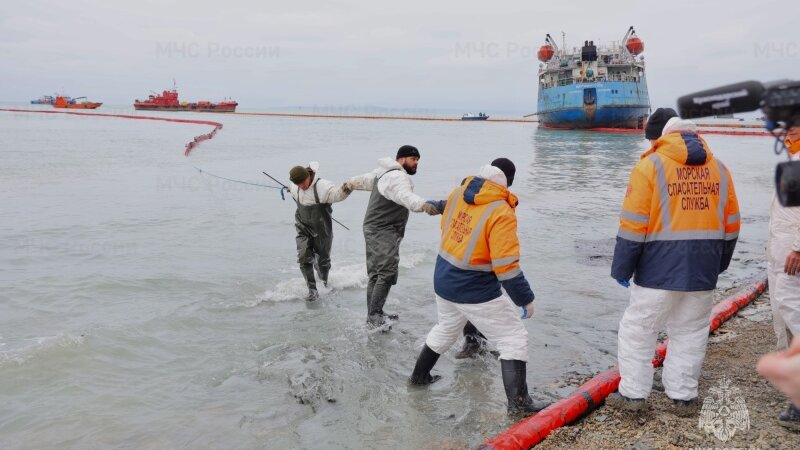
375	315
790	418
323	275
514	381
375	320
473	342
472	347
322	271
370	288
308	273
422	370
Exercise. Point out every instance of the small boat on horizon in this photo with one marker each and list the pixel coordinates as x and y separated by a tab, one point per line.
66	102
44	100
471	116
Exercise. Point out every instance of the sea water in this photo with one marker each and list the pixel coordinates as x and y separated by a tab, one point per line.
144	304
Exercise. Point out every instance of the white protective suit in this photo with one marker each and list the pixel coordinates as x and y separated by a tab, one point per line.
686	317
784	289
396	185
326	190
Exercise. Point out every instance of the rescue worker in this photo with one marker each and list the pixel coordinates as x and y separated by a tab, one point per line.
678	229
313	222
479	254
783	268
385	221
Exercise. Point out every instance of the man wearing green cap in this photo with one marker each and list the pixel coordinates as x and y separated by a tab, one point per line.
313	222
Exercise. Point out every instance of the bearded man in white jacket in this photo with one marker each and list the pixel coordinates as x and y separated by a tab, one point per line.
385	221
783	265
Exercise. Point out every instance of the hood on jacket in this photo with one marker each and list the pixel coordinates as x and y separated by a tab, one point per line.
681	143
493	174
386	164
676	124
480	191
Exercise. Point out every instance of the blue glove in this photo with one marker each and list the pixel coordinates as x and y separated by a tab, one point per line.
438	204
527	311
624	283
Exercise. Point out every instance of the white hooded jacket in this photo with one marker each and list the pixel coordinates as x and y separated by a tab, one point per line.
784	230
395	185
326	190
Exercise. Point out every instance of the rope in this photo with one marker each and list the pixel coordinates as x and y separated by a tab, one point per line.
237	181
282	188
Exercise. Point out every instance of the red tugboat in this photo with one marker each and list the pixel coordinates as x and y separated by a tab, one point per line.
66	102
168	101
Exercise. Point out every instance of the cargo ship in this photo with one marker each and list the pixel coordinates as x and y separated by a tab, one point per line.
44	100
594	86
66	102
168	101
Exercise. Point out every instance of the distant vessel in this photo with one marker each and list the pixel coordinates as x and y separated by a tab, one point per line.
66	102
168	101
44	100
471	116
594	87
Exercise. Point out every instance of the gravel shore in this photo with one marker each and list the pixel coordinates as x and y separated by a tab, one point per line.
733	352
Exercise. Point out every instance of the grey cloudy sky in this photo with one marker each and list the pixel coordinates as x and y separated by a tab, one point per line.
411	54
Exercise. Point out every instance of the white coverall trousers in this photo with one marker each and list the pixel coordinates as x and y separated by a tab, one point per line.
784	298
498	320
686	316
784	289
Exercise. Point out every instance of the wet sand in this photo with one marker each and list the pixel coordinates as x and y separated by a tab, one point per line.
733	352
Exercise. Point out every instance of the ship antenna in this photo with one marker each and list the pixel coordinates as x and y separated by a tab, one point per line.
563	41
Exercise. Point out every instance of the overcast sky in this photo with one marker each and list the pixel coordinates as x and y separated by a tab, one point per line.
470	55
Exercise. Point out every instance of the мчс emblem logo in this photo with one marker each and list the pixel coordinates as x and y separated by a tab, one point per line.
724	412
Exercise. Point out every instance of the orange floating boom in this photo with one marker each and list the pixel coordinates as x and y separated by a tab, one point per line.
217	126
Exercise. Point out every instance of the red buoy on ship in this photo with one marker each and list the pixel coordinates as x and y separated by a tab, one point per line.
634	45
545	52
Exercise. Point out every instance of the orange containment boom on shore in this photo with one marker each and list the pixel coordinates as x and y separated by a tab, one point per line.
591	394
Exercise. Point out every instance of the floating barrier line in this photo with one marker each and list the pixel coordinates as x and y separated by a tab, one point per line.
194	143
443	119
531	431
347	116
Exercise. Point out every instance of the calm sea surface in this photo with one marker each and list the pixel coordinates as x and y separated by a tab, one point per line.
146	305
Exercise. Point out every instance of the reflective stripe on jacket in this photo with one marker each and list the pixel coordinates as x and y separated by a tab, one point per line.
680	218
479	250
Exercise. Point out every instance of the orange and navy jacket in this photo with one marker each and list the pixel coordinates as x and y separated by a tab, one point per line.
680	218
479	251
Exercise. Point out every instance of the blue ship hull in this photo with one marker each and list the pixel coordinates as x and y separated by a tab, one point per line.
606	104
